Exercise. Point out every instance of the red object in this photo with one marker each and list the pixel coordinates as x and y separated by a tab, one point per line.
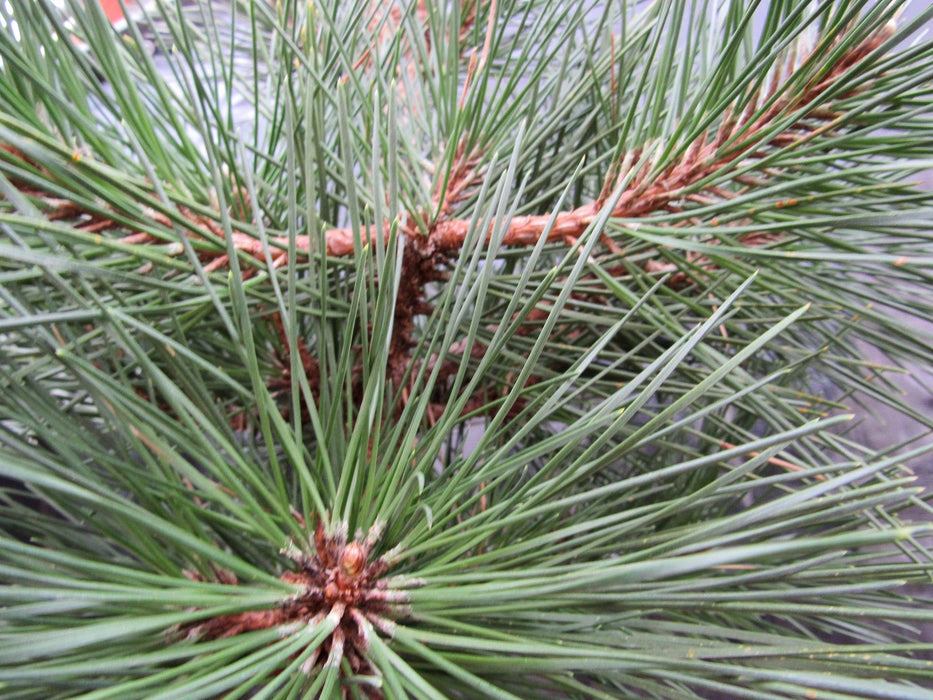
112	9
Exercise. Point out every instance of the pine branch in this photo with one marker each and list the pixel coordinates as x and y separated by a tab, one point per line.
642	190
601	469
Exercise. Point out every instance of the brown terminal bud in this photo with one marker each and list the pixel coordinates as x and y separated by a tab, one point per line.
352	560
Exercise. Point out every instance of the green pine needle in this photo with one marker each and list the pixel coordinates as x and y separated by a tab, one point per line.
476	349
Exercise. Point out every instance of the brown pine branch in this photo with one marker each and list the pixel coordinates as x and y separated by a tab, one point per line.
735	140
649	189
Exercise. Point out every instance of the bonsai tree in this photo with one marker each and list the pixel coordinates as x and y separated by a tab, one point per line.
491	348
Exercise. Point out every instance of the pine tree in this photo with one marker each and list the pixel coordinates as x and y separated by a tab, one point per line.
496	348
